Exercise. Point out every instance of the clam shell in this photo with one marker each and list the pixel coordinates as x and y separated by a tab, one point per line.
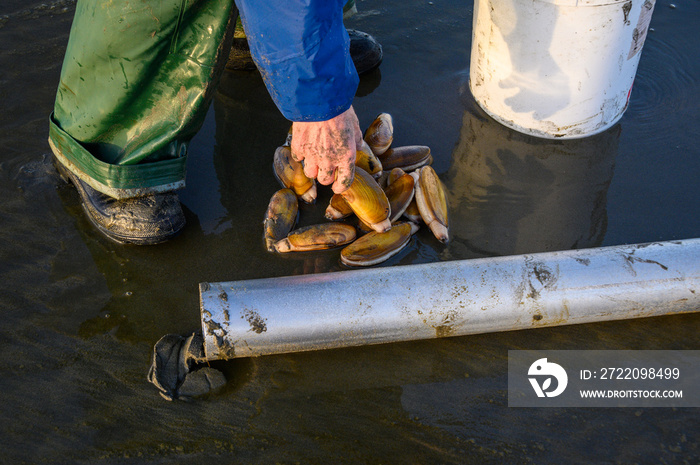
394	174
409	157
363	227
290	173
400	194
374	247
412	213
338	208
317	237
432	202
280	217
368	201
380	134
382	180
368	161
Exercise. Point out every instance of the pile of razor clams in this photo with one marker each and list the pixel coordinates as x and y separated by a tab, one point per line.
394	190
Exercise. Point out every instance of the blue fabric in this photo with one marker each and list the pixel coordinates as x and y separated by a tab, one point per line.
301	48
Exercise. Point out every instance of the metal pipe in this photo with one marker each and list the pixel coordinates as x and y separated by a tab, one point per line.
452	298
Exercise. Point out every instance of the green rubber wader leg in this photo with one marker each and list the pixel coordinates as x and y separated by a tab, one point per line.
136	83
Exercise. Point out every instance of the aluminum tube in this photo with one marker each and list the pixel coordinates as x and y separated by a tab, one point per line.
453	298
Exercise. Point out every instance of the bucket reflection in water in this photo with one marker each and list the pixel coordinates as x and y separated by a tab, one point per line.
511	193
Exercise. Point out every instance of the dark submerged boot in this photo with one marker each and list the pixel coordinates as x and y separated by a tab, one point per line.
239	57
365	51
146	220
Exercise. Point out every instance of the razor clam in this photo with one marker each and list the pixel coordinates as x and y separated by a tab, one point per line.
381	180
317	237
280	217
338	208
368	161
380	134
374	247
432	202
394	174
290	173
363	227
409	157
412	213
400	193
368	201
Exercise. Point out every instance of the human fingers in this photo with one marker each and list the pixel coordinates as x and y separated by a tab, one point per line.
325	173
344	176
300	137
310	166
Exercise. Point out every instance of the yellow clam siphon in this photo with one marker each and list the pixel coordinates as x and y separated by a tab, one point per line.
317	237
290	173
368	201
375	247
280	217
432	202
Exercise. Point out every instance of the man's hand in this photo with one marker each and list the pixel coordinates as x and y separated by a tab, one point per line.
328	149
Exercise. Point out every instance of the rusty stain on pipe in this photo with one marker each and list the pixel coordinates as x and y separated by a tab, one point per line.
453	298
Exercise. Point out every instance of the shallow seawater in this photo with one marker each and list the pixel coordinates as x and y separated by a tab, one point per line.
81	314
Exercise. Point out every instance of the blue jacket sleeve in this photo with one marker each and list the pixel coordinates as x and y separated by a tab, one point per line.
301	48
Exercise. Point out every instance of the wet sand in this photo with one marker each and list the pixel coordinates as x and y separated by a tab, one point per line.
81	314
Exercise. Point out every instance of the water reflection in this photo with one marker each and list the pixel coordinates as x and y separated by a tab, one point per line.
511	193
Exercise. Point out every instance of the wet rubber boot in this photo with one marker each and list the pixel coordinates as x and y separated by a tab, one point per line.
146	220
365	51
128	105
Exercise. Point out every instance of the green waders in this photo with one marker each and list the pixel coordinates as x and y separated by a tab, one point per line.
136	83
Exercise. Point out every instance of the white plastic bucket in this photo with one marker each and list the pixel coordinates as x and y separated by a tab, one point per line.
557	68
